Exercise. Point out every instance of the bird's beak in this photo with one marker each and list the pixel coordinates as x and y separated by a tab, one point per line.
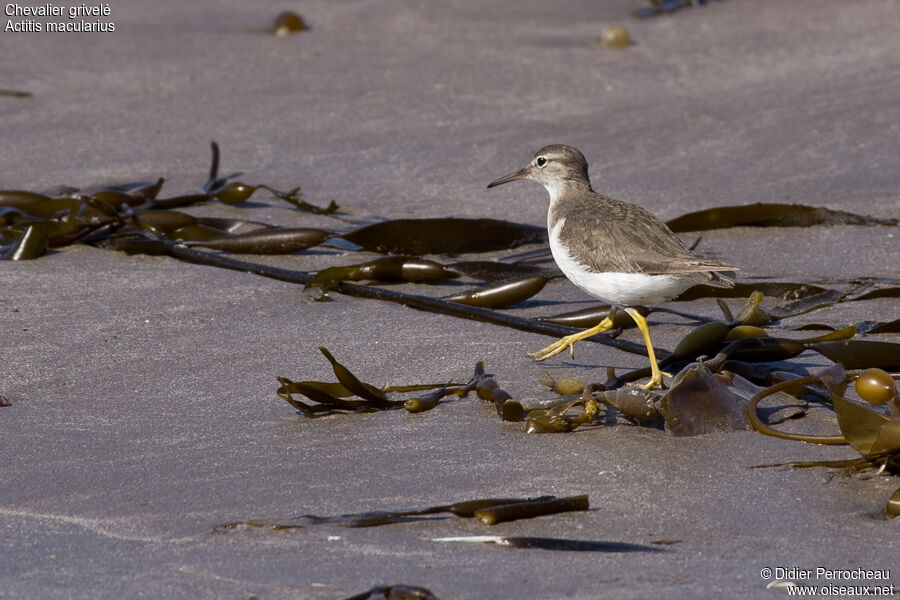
520	174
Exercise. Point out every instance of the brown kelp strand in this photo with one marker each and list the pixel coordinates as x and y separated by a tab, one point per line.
31	244
251	525
549	543
872	433
745	331
77	216
139	190
371	398
14	93
763	214
268	241
412	300
388	269
354	385
212	181
505	293
194	232
764	428
565	417
703	397
468	508
431	399
793	297
136	194
487	388
293	197
768	349
844	333
162	221
350	394
889	290
708	338
236	192
395	592
179	201
860	354
753	344
325	403
444	236
21	198
530	509
492	271
702	340
877	327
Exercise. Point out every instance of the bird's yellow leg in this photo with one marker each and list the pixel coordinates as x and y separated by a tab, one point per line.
569	341
656	376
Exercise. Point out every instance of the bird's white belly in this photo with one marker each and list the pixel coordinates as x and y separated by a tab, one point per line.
622	289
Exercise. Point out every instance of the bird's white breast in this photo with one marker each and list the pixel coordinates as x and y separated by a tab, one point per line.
622	289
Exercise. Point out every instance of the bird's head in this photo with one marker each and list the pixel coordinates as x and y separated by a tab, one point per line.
555	167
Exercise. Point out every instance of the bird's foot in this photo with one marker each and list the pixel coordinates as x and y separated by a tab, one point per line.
656	379
556	347
569	341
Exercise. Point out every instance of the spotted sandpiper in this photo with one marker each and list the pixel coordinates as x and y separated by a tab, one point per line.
613	250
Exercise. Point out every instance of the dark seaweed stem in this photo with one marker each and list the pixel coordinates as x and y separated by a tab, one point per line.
438	305
213	182
761	427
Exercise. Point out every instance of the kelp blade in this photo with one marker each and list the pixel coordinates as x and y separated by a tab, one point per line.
860	354
444	236
526	510
764	214
271	241
30	245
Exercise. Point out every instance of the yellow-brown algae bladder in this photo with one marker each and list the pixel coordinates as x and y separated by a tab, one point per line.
287	23
616	36
876	386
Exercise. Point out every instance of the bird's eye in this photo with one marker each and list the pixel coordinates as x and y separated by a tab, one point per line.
540	161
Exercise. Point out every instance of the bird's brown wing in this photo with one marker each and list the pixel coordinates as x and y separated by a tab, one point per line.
646	245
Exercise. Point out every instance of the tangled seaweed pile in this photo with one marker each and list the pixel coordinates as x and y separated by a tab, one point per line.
726	369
